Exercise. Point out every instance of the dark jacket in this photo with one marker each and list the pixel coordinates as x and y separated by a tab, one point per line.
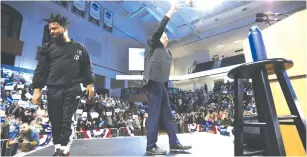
158	59
63	65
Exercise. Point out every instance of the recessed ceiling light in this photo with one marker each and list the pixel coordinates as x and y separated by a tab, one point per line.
220	46
238	41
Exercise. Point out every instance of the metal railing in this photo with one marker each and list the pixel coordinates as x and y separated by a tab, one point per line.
125	131
6	149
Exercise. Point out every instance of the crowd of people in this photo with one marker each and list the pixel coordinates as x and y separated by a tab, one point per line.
216	106
108	112
199	108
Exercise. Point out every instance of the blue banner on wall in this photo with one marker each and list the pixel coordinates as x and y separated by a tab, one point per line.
108	20
94	15
62	3
79	8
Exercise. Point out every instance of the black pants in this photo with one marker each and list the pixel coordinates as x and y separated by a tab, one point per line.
62	105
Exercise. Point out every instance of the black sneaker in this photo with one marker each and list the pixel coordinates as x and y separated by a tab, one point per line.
179	147
57	152
155	151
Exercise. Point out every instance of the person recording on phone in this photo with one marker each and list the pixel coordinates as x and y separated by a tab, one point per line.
27	138
157	66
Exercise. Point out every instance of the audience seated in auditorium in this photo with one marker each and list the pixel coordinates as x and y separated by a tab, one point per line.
200	110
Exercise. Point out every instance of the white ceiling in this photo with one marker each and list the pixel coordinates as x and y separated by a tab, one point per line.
226	39
192	30
228	32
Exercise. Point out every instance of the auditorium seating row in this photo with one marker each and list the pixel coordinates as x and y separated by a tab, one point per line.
238	59
227	61
203	66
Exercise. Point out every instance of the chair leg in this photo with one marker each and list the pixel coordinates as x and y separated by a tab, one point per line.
265	102
261	116
238	124
292	102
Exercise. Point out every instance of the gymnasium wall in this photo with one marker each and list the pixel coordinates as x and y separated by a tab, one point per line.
110	53
199	83
181	65
287	39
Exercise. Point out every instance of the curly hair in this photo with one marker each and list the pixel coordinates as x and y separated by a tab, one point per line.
61	20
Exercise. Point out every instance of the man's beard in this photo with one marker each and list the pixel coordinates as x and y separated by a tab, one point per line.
24	132
59	39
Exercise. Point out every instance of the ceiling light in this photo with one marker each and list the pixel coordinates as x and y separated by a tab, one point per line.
206	4
173	1
238	41
198	4
220	46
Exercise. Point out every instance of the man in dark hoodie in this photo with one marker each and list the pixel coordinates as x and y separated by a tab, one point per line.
62	65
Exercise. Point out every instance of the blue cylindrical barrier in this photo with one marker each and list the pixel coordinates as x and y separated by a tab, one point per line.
256	44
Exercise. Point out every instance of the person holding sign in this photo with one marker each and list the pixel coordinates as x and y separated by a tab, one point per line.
62	65
157	66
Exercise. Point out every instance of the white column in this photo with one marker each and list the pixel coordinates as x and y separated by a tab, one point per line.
126	83
107	83
170	84
194	85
